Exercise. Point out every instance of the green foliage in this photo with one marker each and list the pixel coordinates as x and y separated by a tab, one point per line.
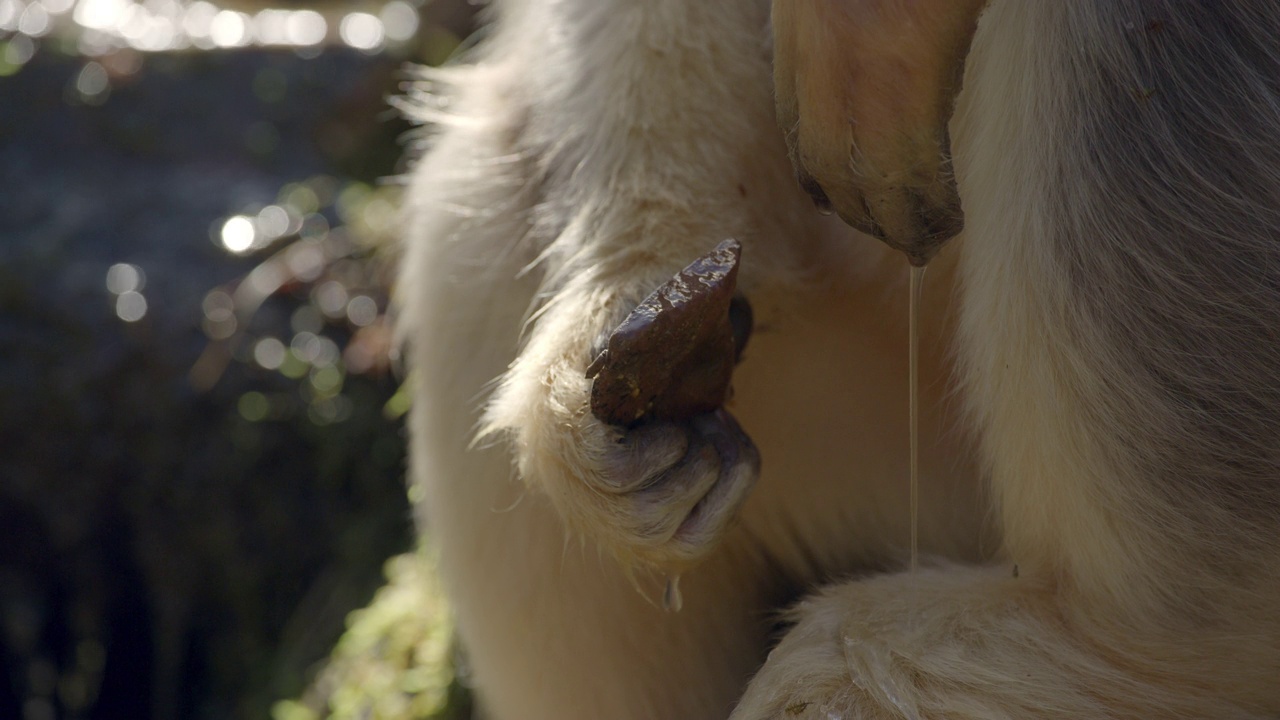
395	661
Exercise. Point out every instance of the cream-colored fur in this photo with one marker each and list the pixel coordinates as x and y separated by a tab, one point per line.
590	148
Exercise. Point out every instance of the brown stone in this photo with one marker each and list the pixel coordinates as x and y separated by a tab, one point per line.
673	356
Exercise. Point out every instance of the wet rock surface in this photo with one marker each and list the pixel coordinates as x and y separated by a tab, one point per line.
672	357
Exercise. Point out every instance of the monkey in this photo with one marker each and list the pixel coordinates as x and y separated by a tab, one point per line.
1094	188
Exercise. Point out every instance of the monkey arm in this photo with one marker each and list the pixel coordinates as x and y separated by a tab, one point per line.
646	138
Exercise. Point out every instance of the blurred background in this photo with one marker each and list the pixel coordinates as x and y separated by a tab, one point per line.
203	511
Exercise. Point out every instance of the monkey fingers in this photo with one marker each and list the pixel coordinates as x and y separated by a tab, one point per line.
680	484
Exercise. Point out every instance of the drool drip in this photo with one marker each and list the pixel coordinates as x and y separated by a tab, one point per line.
913	399
672	599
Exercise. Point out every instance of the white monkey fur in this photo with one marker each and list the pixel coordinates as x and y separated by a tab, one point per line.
1101	393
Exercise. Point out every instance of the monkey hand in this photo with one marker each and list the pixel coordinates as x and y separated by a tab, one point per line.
636	450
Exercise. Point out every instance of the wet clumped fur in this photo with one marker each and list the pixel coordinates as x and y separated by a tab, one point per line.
672	358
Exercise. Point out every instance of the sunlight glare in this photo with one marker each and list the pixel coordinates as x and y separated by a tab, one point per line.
305	27
131	306
400	20
99	14
238	234
123	277
229	29
361	31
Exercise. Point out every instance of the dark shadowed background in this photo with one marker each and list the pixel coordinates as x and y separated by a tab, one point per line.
201	461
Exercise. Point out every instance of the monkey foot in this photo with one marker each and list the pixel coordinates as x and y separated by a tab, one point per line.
865	89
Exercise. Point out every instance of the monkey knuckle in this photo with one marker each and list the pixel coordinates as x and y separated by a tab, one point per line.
668	491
